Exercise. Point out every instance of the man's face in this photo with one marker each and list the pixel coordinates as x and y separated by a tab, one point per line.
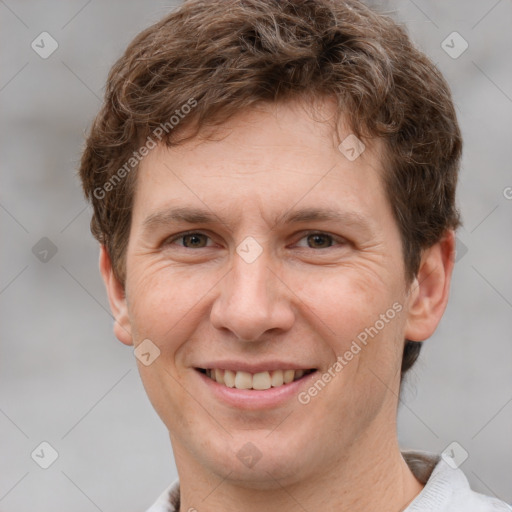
261	284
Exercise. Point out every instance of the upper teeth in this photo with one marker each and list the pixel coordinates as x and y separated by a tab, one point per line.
261	380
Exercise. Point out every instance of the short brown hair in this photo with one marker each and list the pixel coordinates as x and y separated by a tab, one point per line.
228	55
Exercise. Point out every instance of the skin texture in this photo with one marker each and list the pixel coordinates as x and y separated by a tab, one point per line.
303	300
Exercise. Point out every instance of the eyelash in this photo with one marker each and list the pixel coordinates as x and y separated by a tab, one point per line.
333	238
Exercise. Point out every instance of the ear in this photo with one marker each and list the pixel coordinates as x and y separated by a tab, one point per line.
428	294
117	299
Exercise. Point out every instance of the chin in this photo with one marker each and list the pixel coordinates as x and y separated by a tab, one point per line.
260	462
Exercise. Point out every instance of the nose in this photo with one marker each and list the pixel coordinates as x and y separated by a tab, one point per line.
252	302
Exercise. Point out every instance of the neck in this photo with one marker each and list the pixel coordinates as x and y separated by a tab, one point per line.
371	475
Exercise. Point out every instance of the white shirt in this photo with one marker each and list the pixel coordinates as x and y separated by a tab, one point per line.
446	489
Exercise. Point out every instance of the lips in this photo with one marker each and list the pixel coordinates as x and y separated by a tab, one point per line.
261	380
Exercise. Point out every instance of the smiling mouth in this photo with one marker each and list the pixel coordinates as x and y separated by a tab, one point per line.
256	381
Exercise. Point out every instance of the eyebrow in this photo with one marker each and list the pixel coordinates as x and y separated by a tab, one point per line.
199	216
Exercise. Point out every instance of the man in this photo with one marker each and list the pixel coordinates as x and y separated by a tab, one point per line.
273	185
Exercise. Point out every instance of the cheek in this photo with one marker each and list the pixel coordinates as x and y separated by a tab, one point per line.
361	320
359	316
164	306
163	303
346	301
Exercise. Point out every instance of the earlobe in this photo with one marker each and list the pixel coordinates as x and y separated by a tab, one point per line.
429	292
117	299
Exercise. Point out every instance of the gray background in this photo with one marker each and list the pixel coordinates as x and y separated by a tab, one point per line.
66	380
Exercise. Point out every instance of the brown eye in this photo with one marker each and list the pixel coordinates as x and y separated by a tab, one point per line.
194	240
319	241
191	240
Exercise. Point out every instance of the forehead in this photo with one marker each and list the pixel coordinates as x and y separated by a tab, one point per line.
265	161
